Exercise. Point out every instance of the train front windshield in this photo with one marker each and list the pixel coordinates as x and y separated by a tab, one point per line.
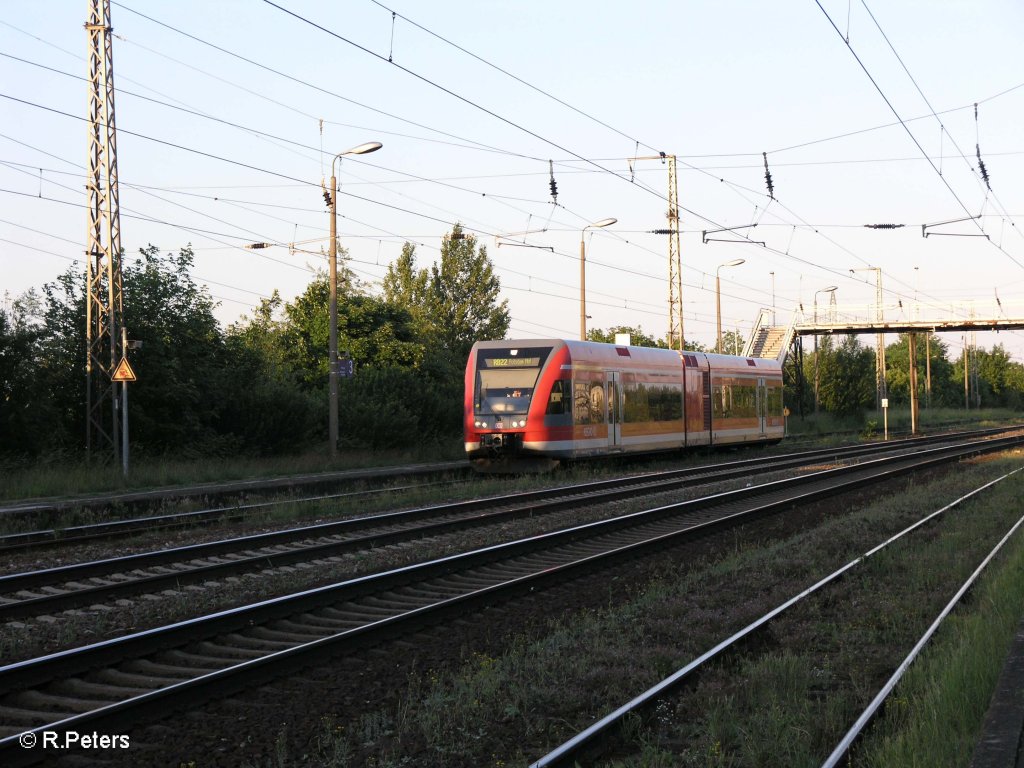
506	379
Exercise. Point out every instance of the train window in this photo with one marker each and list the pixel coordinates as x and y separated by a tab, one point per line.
721	401
636	407
588	402
773	401
734	401
665	402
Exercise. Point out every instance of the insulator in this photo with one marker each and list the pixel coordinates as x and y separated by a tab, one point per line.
884	226
327	198
553	186
768	177
982	168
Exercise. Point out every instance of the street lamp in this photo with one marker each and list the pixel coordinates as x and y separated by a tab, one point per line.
583	273
718	299
831	289
332	373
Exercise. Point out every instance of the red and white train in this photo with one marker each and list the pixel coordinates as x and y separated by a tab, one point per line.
552	399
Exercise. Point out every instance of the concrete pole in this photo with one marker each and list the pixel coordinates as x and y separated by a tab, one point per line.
912	354
332	363
583	288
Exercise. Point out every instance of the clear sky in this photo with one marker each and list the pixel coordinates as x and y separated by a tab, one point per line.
229	113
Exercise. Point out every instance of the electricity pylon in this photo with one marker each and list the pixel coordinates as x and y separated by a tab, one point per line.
675	273
104	303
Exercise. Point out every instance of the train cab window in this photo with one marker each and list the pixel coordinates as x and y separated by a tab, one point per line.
506	378
558	400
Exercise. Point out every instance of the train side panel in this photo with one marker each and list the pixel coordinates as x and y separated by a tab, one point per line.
567	399
746	400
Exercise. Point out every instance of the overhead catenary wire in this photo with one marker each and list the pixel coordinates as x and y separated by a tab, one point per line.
910	133
611	266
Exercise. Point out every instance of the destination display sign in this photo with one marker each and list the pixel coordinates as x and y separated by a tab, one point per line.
512	362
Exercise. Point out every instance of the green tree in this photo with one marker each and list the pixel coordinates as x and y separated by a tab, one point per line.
372	331
732	343
62	353
995	377
28	419
406	286
462	298
181	363
897	357
846	376
271	412
263	334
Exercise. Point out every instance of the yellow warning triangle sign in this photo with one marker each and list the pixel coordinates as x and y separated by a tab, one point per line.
123	372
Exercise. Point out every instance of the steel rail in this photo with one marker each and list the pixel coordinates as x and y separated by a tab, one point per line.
110	529
586	744
549	558
450	517
876	704
231	487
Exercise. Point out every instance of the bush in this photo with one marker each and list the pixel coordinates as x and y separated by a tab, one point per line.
398	408
272	417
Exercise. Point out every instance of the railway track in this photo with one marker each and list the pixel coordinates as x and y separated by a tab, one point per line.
14	543
137	501
68	587
113	684
70	535
588	745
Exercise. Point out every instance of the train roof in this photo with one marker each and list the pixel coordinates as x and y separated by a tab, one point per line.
601	352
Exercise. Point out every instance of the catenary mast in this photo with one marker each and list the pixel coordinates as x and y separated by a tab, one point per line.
104	303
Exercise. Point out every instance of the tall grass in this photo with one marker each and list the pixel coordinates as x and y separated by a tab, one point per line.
934	716
872	423
80	477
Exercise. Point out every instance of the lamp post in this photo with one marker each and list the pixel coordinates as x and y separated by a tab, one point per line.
831	289
583	273
332	372
718	300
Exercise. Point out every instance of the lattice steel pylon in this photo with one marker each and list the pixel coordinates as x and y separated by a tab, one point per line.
675	276
675	336
104	307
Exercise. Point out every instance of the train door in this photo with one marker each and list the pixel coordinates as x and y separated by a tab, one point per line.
762	406
614	401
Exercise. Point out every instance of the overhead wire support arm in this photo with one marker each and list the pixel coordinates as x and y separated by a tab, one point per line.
705	239
926	233
527	245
